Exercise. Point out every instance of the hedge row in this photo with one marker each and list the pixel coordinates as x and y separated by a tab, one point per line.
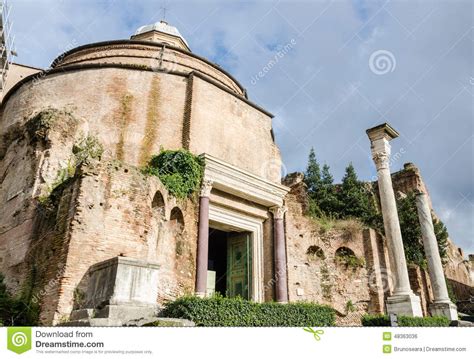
381	320
218	311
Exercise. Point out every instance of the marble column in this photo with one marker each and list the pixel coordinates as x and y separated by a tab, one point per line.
279	243
203	239
402	301
441	305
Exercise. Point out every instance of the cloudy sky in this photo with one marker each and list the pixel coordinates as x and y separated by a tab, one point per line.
328	70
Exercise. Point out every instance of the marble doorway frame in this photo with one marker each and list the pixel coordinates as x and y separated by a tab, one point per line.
227	219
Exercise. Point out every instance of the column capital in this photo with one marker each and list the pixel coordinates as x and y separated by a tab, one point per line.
278	211
381	159
206	187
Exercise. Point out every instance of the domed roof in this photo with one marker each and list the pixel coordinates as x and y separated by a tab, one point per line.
163	27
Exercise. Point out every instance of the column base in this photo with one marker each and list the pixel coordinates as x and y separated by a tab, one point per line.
444	309
200	294
404	304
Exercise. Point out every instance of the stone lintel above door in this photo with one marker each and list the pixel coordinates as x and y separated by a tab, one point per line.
243	184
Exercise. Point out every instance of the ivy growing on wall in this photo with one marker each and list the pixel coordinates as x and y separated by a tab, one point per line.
180	171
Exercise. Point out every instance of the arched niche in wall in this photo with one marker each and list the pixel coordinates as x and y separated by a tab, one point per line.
315	252
346	257
158	203
344	251
176	220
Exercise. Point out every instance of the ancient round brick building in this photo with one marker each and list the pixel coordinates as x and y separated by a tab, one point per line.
103	242
136	97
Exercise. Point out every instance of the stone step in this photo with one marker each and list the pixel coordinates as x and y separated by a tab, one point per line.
79	314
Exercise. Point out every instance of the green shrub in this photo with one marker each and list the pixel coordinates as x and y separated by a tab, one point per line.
21	311
347	258
218	311
180	171
350	307
423	322
377	320
381	320
40	124
88	147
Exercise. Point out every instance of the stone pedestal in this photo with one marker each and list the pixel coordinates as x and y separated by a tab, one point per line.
203	240
404	304
122	281
444	309
281	276
120	290
442	305
403	301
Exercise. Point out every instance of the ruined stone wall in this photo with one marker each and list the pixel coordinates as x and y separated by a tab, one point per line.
459	273
120	212
316	274
420	284
30	156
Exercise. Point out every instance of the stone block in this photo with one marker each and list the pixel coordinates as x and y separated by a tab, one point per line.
80	314
122	281
408	304
126	313
447	309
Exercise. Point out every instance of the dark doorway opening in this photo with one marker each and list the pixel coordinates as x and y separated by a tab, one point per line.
229	263
218	260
